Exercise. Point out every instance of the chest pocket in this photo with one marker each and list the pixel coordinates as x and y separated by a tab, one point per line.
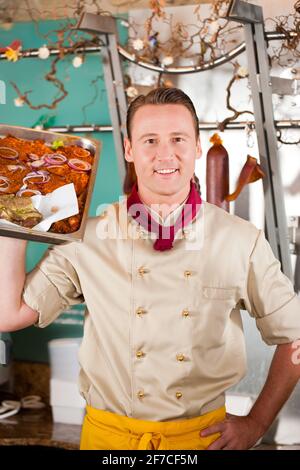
214	314
218	302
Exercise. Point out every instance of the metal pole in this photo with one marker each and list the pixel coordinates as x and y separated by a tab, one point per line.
276	223
106	28
203	126
227	57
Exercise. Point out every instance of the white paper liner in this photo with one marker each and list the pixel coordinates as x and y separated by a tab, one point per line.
54	206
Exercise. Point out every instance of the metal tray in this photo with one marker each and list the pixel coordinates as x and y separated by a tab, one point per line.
89	144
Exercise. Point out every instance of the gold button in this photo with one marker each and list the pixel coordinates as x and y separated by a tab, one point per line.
139	354
187	273
178	395
185	313
142	271
141	311
180	357
140	394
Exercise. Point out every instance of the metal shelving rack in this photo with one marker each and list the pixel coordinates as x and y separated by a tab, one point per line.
261	88
251	16
106	28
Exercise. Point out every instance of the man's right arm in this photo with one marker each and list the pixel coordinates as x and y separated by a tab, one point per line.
14	313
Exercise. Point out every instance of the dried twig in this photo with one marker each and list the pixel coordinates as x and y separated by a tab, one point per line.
211	36
286	142
222	125
52	77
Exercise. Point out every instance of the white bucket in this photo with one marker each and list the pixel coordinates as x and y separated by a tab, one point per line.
68	406
63	355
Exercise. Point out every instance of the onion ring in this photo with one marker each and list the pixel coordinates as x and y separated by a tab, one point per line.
55	158
79	165
4	183
3	178
26	190
81	152
37	163
16	167
37	174
34	156
14	154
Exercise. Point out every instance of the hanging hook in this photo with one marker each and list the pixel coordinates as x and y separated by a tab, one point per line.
249	135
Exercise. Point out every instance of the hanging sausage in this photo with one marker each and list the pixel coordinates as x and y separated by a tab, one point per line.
217	174
250	172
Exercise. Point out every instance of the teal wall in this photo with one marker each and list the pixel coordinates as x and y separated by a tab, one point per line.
31	344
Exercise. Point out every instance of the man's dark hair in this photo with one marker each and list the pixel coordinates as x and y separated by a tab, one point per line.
161	95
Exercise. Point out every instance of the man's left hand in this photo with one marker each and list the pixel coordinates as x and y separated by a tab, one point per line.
237	433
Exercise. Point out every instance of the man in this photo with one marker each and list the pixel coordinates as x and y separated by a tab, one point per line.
163	275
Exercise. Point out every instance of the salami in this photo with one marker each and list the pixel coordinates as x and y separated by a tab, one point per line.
217	174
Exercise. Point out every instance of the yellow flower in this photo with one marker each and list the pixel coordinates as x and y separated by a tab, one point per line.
12	54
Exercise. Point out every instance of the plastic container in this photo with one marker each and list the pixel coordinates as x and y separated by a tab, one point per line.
67	404
63	355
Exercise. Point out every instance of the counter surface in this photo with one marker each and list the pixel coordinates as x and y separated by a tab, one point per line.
36	427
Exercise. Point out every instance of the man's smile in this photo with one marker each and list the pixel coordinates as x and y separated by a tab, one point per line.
166	171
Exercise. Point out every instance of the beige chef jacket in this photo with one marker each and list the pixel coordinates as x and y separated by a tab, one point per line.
163	336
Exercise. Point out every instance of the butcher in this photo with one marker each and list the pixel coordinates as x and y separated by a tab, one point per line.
163	275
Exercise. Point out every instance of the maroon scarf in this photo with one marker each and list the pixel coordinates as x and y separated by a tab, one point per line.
166	234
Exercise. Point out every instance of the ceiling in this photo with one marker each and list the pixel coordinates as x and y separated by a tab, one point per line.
17	10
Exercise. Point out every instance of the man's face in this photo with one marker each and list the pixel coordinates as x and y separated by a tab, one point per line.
163	148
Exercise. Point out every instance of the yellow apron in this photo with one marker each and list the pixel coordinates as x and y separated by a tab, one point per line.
103	430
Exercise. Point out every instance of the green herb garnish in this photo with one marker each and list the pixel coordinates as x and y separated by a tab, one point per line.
56	144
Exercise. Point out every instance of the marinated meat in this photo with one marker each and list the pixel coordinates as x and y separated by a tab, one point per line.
68	164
